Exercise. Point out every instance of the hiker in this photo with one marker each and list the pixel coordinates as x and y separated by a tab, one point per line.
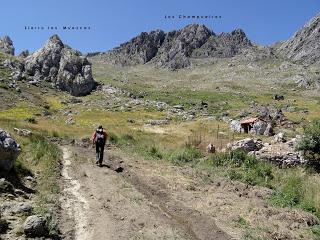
99	138
211	148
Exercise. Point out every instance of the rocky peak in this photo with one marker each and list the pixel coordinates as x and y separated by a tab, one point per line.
139	50
304	46
59	64
6	45
174	49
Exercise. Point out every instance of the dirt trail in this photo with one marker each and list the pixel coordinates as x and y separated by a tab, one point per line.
125	200
73	200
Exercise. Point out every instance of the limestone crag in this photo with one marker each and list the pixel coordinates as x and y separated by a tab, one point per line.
64	67
6	45
304	46
174	49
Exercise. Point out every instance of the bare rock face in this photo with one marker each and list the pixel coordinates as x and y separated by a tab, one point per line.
66	68
9	151
223	45
6	45
179	45
304	46
138	50
174	49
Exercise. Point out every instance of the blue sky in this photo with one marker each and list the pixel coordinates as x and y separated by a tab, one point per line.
114	22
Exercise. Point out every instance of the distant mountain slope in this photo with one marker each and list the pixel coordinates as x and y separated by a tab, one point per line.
304	46
173	49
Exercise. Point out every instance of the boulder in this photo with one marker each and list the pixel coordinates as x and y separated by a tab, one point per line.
280	138
235	126
247	145
23	132
5	186
66	68
259	128
35	226
278	97
9	150
6	45
13	208
269	130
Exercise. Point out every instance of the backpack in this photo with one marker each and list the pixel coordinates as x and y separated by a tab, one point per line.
100	137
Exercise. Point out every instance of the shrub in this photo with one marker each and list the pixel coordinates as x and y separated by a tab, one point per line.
310	143
127	138
113	138
151	152
186	154
290	192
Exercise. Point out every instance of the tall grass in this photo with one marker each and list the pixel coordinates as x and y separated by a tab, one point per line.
43	158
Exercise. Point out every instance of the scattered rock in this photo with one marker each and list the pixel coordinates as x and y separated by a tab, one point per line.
9	150
280	138
178	107
158	122
13	208
283	153
35	226
70	121
23	132
278	97
247	145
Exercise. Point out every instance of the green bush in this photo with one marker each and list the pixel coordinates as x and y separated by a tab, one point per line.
220	159
310	143
113	138
150	152
243	167
127	139
184	155
290	191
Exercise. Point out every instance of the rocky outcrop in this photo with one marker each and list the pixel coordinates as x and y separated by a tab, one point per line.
281	152
247	145
179	45
138	50
175	49
223	45
9	150
6	45
304	46
64	67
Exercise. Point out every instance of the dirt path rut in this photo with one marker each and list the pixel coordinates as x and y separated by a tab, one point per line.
124	199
